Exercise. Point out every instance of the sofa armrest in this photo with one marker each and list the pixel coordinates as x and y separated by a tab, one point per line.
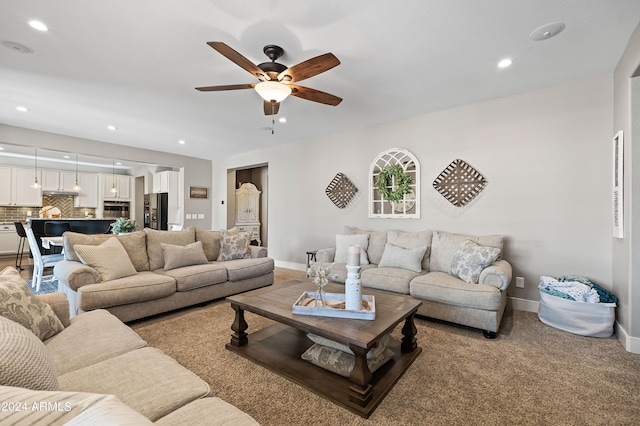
258	251
60	305
498	274
326	255
74	274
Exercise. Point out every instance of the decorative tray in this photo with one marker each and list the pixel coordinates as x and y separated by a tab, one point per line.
334	306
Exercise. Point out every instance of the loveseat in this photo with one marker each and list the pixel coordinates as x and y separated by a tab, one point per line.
91	369
150	272
459	278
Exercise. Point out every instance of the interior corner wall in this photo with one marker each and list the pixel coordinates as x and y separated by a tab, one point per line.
197	171
545	154
626	251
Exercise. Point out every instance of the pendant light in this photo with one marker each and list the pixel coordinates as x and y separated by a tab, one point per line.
35	184
113	172
76	187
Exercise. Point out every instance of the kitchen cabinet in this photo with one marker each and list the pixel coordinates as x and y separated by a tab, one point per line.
88	194
8	239
123	187
5	186
169	181
54	180
22	194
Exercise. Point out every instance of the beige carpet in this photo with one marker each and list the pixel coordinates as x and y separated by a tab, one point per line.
531	374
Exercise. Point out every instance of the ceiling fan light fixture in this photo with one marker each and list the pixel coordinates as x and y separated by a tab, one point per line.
273	91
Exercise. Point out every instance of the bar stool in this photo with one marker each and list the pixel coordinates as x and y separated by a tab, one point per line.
21	242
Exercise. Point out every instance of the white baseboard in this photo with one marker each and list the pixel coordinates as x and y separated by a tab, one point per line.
631	344
524	304
290	265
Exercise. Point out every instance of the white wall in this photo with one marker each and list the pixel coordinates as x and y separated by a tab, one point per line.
546	156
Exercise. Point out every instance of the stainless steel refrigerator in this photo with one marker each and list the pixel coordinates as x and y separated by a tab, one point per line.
156	211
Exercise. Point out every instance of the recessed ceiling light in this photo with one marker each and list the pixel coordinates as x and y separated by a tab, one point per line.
1	148
37	25
112	128
282	119
118	164
505	63
181	142
22	109
65	156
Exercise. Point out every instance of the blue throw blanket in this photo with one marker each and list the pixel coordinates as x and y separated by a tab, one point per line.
605	295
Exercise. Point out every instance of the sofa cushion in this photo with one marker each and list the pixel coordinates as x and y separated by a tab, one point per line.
110	337
178	256
402	258
211	411
377	240
70	408
243	269
340	362
342	247
110	259
210	243
388	279
137	288
470	259
135	243
19	304
444	245
24	360
412	240
444	288
234	245
155	237
196	276
147	380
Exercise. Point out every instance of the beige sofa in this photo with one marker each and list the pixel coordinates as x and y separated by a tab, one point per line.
91	369
419	264
170	270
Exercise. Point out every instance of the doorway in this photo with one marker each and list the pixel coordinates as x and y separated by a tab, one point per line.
258	175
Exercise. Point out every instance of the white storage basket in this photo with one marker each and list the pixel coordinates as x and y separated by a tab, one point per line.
585	319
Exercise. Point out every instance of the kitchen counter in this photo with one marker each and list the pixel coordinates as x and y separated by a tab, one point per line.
81	225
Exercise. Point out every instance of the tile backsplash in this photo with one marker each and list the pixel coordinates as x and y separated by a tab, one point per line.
63	202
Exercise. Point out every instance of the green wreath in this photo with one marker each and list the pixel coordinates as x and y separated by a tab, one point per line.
384	183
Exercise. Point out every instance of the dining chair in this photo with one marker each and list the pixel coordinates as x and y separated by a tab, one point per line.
56	229
40	261
23	238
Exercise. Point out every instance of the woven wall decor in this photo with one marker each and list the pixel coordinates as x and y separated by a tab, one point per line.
341	191
459	183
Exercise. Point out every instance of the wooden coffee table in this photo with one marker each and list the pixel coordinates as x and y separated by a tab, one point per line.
278	347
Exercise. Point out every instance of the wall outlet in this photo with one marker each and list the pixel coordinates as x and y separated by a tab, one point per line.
519	282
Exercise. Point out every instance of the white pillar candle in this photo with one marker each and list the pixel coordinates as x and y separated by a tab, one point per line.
353	256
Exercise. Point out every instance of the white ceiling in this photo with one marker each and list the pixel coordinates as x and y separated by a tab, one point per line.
135	64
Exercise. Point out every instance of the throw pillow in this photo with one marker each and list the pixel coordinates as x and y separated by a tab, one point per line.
412	240
340	362
24	360
377	240
470	259
178	256
234	245
210	243
373	352
109	259
19	304
342	247
402	258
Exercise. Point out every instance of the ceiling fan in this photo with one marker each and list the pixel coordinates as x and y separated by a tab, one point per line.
277	80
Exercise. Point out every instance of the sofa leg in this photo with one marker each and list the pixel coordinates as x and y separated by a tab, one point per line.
489	334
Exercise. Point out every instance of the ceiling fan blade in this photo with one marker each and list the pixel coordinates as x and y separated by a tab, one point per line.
238	59
226	87
314	95
269	109
309	68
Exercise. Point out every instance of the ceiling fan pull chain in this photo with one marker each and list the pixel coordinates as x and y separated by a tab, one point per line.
273	119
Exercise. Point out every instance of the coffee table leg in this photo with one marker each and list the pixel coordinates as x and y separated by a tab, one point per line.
362	391
239	326
409	331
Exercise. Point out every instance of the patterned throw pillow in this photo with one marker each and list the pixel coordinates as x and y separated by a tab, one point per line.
234	245
470	259
110	259
24	360
19	304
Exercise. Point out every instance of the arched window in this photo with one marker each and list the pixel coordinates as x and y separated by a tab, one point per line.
397	166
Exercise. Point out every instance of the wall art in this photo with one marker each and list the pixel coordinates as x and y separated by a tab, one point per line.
394	185
459	183
341	190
